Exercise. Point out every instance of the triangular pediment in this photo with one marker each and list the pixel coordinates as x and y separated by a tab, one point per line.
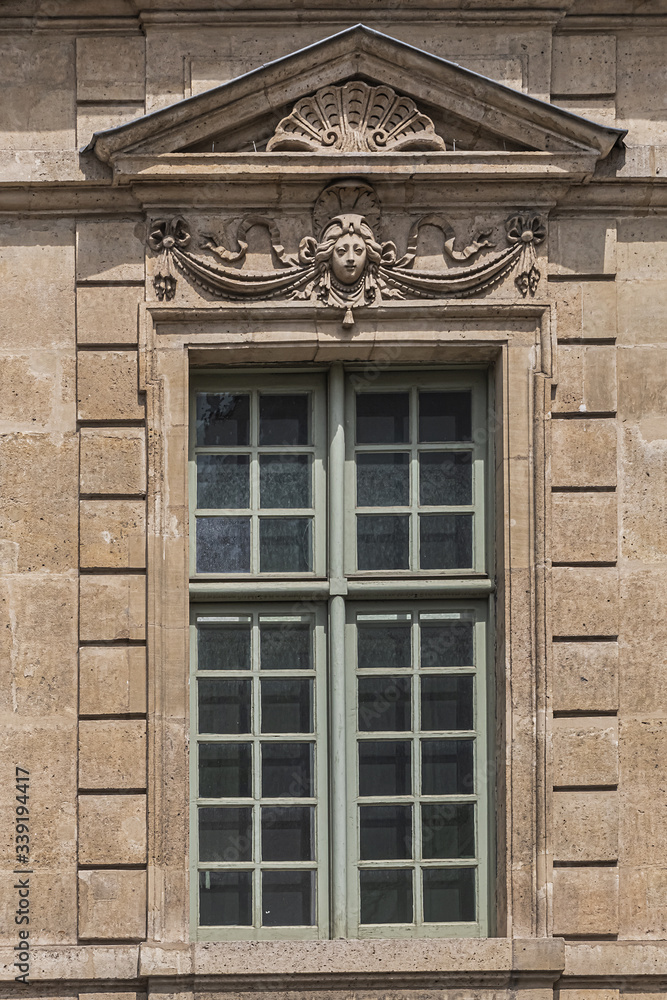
429	105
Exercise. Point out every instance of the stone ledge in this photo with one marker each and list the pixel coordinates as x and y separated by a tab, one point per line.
606	959
74	962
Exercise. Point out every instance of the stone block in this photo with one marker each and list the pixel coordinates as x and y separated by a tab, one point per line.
37	84
585	901
585	752
112	905
112	534
643	904
585	601
643	458
641	390
112	754
584	527
107	386
643	640
643	789
583	64
583	452
107	314
110	249
585	310
585	677
52	919
99	116
585	826
642	307
641	248
113	461
583	247
112	680
110	68
112	608
112	829
37	392
586	379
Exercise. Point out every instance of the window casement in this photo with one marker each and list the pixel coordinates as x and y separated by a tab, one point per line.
339	678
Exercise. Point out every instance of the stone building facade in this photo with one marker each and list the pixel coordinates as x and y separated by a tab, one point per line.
455	213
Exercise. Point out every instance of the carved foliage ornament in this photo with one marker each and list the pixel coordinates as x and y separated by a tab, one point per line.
346	266
355	118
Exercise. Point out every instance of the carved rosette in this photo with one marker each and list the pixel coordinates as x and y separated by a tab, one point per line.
355	118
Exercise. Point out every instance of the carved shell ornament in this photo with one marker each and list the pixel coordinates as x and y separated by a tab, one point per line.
355	118
345	266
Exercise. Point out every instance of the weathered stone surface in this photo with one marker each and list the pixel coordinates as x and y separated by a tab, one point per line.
643	647
107	386
107	315
112	829
584	452
584	65
113	460
112	608
37	81
107	72
112	534
583	246
585	677
643	790
112	680
110	249
37	392
585	310
585	901
641	311
112	754
585	826
585	601
585	752
586	379
112	905
585	527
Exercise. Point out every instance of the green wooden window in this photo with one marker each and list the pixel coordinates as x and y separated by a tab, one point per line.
339	681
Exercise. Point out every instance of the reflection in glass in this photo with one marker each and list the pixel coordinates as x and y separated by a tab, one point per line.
225	834
223	481
222	419
287	706
447	645
384	704
383	417
288	899
385	832
449	894
223	544
383	541
225	770
384	767
384	645
446	702
283	419
225	899
287	770
448	830
224	706
383	479
284	481
447	767
288	833
285	646
445	541
445	416
225	647
386	896
285	544
445	478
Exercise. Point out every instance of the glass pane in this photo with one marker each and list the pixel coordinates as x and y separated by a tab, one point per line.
224	706
383	541
225	770
386	896
445	541
288	834
222	419
225	834
448	830
447	767
383	479
384	704
223	648
287	770
384	645
445	478
383	417
446	702
288	899
449	894
287	706
223	544
223	481
445	416
285	646
384	767
284	481
285	544
385	832
447	645
225	898
284	419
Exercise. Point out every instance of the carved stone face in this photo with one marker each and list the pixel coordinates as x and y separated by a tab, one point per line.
348	259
